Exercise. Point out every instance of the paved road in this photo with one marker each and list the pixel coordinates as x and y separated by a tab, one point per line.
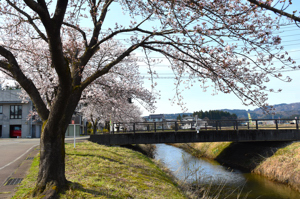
13	163
12	151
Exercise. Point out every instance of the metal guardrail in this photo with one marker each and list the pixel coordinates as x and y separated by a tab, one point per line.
165	126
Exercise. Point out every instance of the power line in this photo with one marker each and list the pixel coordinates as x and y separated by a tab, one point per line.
183	77
286	30
168	74
162	57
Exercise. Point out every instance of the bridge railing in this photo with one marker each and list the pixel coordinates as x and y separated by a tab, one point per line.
204	125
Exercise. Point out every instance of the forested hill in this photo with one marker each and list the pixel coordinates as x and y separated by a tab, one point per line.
215	115
288	111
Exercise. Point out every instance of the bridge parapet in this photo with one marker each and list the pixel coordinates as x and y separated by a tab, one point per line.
165	126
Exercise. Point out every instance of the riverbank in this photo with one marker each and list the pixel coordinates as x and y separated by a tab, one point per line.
97	171
277	161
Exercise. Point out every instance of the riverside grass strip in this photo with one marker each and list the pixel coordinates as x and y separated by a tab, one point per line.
283	166
98	171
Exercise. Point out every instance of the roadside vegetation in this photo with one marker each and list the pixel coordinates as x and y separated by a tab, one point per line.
98	171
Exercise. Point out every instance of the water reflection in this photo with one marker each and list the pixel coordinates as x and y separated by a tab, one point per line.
234	183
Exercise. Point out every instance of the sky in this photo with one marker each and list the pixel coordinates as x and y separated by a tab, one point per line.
195	99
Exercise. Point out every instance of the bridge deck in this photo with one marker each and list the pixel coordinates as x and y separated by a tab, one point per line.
202	136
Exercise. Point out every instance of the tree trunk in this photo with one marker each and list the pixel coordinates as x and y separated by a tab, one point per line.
95	125
51	176
95	128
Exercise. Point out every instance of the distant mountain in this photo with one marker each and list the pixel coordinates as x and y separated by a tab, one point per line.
283	107
241	113
282	111
288	111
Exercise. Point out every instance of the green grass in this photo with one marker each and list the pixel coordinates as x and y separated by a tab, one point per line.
98	171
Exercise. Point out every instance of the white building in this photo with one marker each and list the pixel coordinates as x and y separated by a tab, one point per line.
156	118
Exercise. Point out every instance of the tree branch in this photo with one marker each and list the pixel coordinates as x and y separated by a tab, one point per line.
13	67
60	11
54	39
40	9
106	69
30	20
275	10
98	24
79	30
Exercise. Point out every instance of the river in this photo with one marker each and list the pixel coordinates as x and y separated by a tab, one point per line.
210	174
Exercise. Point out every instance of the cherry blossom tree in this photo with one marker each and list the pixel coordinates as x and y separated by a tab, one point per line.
71	45
99	113
107	98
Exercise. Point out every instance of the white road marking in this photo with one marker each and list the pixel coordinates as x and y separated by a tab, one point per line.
8	143
18	157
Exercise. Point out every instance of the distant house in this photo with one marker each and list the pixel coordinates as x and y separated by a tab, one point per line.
188	118
156	118
190	123
13	116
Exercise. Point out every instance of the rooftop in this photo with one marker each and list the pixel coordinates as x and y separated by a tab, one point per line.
10	96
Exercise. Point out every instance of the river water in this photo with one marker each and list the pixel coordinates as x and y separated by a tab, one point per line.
215	177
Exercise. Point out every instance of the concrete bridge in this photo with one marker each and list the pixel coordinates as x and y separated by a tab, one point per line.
203	136
209	131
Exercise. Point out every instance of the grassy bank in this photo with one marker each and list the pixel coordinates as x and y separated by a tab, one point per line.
283	166
98	171
277	161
